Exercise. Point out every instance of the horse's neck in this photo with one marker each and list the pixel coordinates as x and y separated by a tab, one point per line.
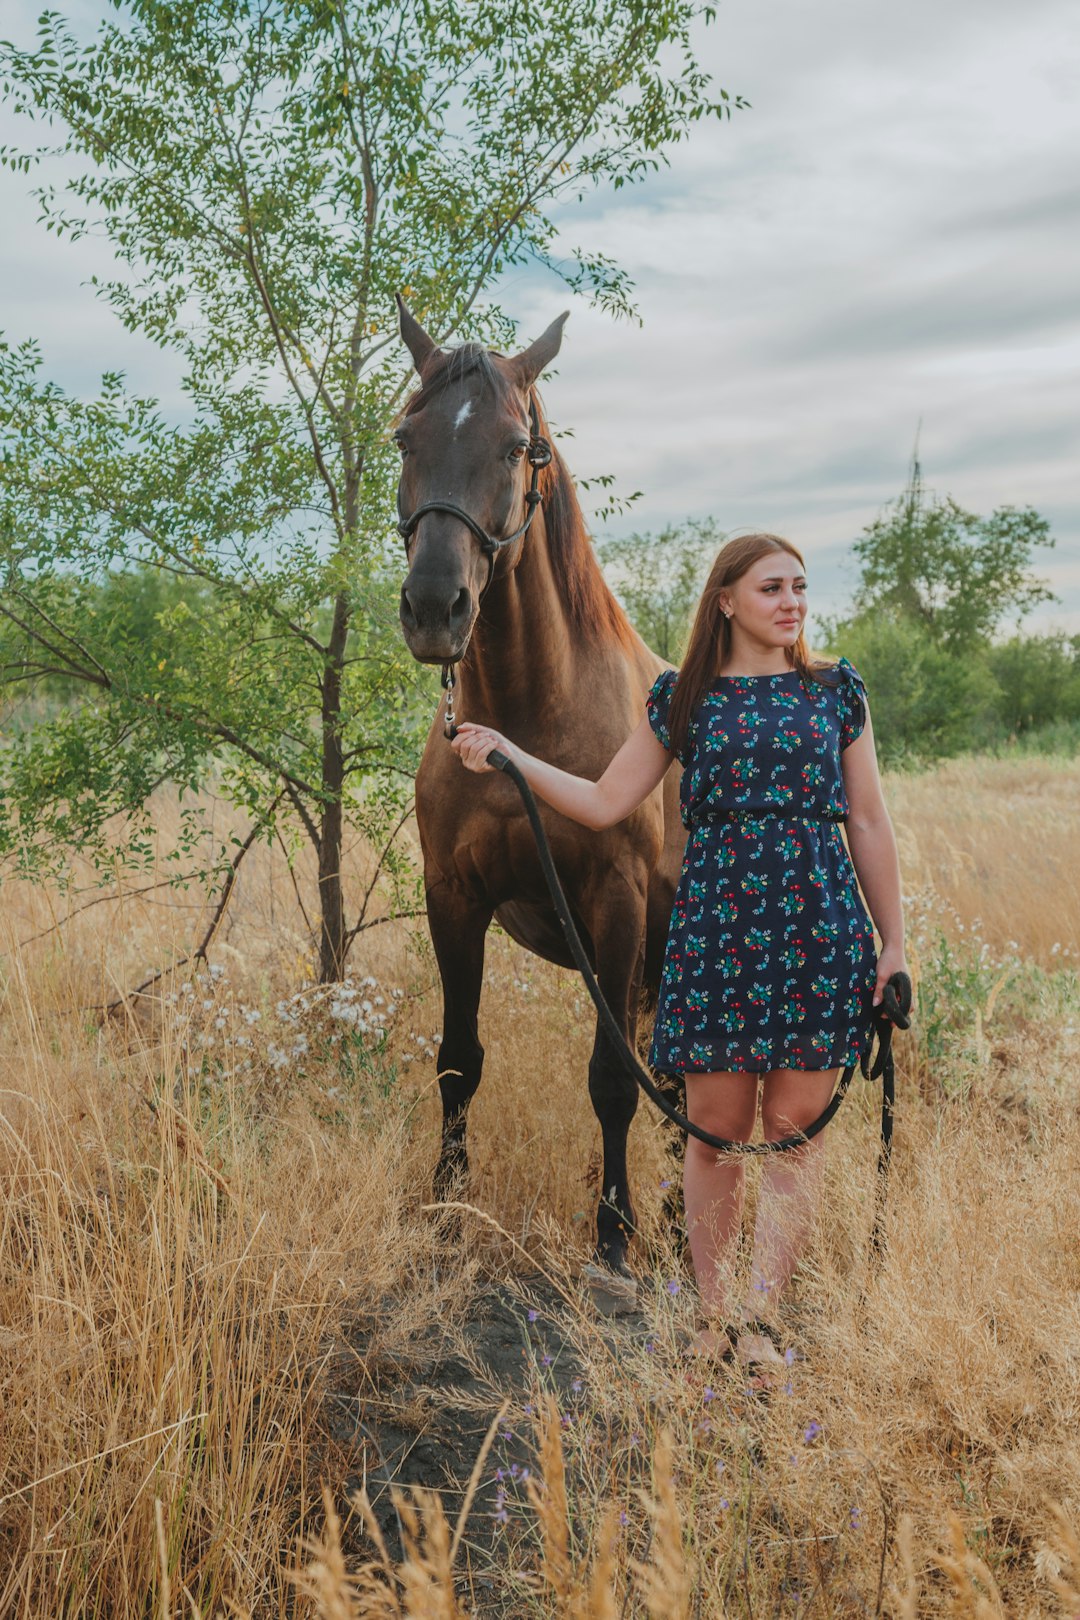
524	654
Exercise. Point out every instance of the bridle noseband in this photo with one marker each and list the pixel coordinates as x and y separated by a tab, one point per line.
539	455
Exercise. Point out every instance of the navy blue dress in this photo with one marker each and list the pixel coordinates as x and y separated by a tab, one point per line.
770	960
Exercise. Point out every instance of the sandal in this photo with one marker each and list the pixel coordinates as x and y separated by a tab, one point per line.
722	1351
761	1373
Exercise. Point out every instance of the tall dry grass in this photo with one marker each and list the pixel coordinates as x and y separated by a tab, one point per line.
197	1196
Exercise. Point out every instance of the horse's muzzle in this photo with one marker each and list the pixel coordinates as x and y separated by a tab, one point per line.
436	626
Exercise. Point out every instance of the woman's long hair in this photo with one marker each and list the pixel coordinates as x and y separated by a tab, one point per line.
710	637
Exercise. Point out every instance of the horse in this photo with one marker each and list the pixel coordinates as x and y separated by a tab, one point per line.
503	586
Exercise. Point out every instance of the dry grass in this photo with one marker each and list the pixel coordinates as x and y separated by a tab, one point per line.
196	1197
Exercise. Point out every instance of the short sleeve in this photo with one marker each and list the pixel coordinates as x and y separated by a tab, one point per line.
658	703
852	701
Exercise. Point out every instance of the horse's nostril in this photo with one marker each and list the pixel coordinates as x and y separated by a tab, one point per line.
408	616
462	605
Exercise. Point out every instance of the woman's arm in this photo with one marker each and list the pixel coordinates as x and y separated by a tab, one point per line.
873	852
636	770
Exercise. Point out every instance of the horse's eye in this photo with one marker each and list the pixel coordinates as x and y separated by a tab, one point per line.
403	447
517	453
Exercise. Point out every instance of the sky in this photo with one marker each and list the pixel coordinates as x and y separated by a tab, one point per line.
886	243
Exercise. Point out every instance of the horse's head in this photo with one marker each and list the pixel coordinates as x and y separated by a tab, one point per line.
466	438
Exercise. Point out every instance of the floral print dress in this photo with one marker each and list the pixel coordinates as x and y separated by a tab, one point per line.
770	960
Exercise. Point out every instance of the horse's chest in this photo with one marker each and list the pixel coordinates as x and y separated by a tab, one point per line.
483	840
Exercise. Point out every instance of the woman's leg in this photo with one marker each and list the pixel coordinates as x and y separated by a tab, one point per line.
724	1105
790	1182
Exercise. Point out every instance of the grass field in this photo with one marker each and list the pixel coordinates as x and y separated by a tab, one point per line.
201	1196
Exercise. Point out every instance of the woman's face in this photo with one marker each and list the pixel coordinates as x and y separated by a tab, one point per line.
768	602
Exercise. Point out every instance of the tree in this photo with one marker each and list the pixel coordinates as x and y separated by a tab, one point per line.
270	173
658	578
1038	679
958	575
936	585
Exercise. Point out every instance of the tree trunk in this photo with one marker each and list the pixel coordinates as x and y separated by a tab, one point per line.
331	901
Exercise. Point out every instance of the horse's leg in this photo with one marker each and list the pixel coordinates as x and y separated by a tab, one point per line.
618	933
458	923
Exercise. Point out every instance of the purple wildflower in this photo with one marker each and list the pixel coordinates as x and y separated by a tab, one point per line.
811	1432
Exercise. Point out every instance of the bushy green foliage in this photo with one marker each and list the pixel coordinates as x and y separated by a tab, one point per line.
1037	680
268	177
658	578
927	702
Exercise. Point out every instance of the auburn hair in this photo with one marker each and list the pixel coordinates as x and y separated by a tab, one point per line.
710	636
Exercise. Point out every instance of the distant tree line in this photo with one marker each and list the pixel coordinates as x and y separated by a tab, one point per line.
934	626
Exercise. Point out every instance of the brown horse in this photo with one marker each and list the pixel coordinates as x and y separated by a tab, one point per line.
549	658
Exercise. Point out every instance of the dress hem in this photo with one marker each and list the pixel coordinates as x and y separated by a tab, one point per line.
724	1060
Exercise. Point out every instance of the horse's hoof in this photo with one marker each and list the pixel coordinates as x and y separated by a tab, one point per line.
614	1293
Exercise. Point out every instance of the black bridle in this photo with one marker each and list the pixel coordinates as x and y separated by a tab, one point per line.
538	455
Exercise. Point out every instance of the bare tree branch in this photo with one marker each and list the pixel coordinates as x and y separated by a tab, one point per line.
199	954
360	923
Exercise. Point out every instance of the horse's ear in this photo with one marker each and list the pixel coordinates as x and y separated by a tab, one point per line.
415	339
538	356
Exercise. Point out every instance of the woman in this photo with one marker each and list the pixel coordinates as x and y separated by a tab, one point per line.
770	973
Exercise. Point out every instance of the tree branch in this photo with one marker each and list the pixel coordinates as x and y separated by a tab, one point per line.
360	923
302	811
199	954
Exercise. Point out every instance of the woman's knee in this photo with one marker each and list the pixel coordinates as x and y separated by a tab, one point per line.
788	1120
792	1102
722	1104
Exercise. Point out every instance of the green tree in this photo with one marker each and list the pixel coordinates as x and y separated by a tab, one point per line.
927	702
269	174
1038	680
658	578
936	586
959	575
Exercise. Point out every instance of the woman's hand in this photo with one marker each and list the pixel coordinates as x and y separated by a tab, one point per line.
473	744
891	960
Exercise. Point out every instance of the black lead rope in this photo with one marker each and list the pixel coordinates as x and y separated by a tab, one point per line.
893	1010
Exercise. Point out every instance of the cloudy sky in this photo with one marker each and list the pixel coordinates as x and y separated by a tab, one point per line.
891	235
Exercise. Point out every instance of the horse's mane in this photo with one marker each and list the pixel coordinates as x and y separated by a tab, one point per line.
585	593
